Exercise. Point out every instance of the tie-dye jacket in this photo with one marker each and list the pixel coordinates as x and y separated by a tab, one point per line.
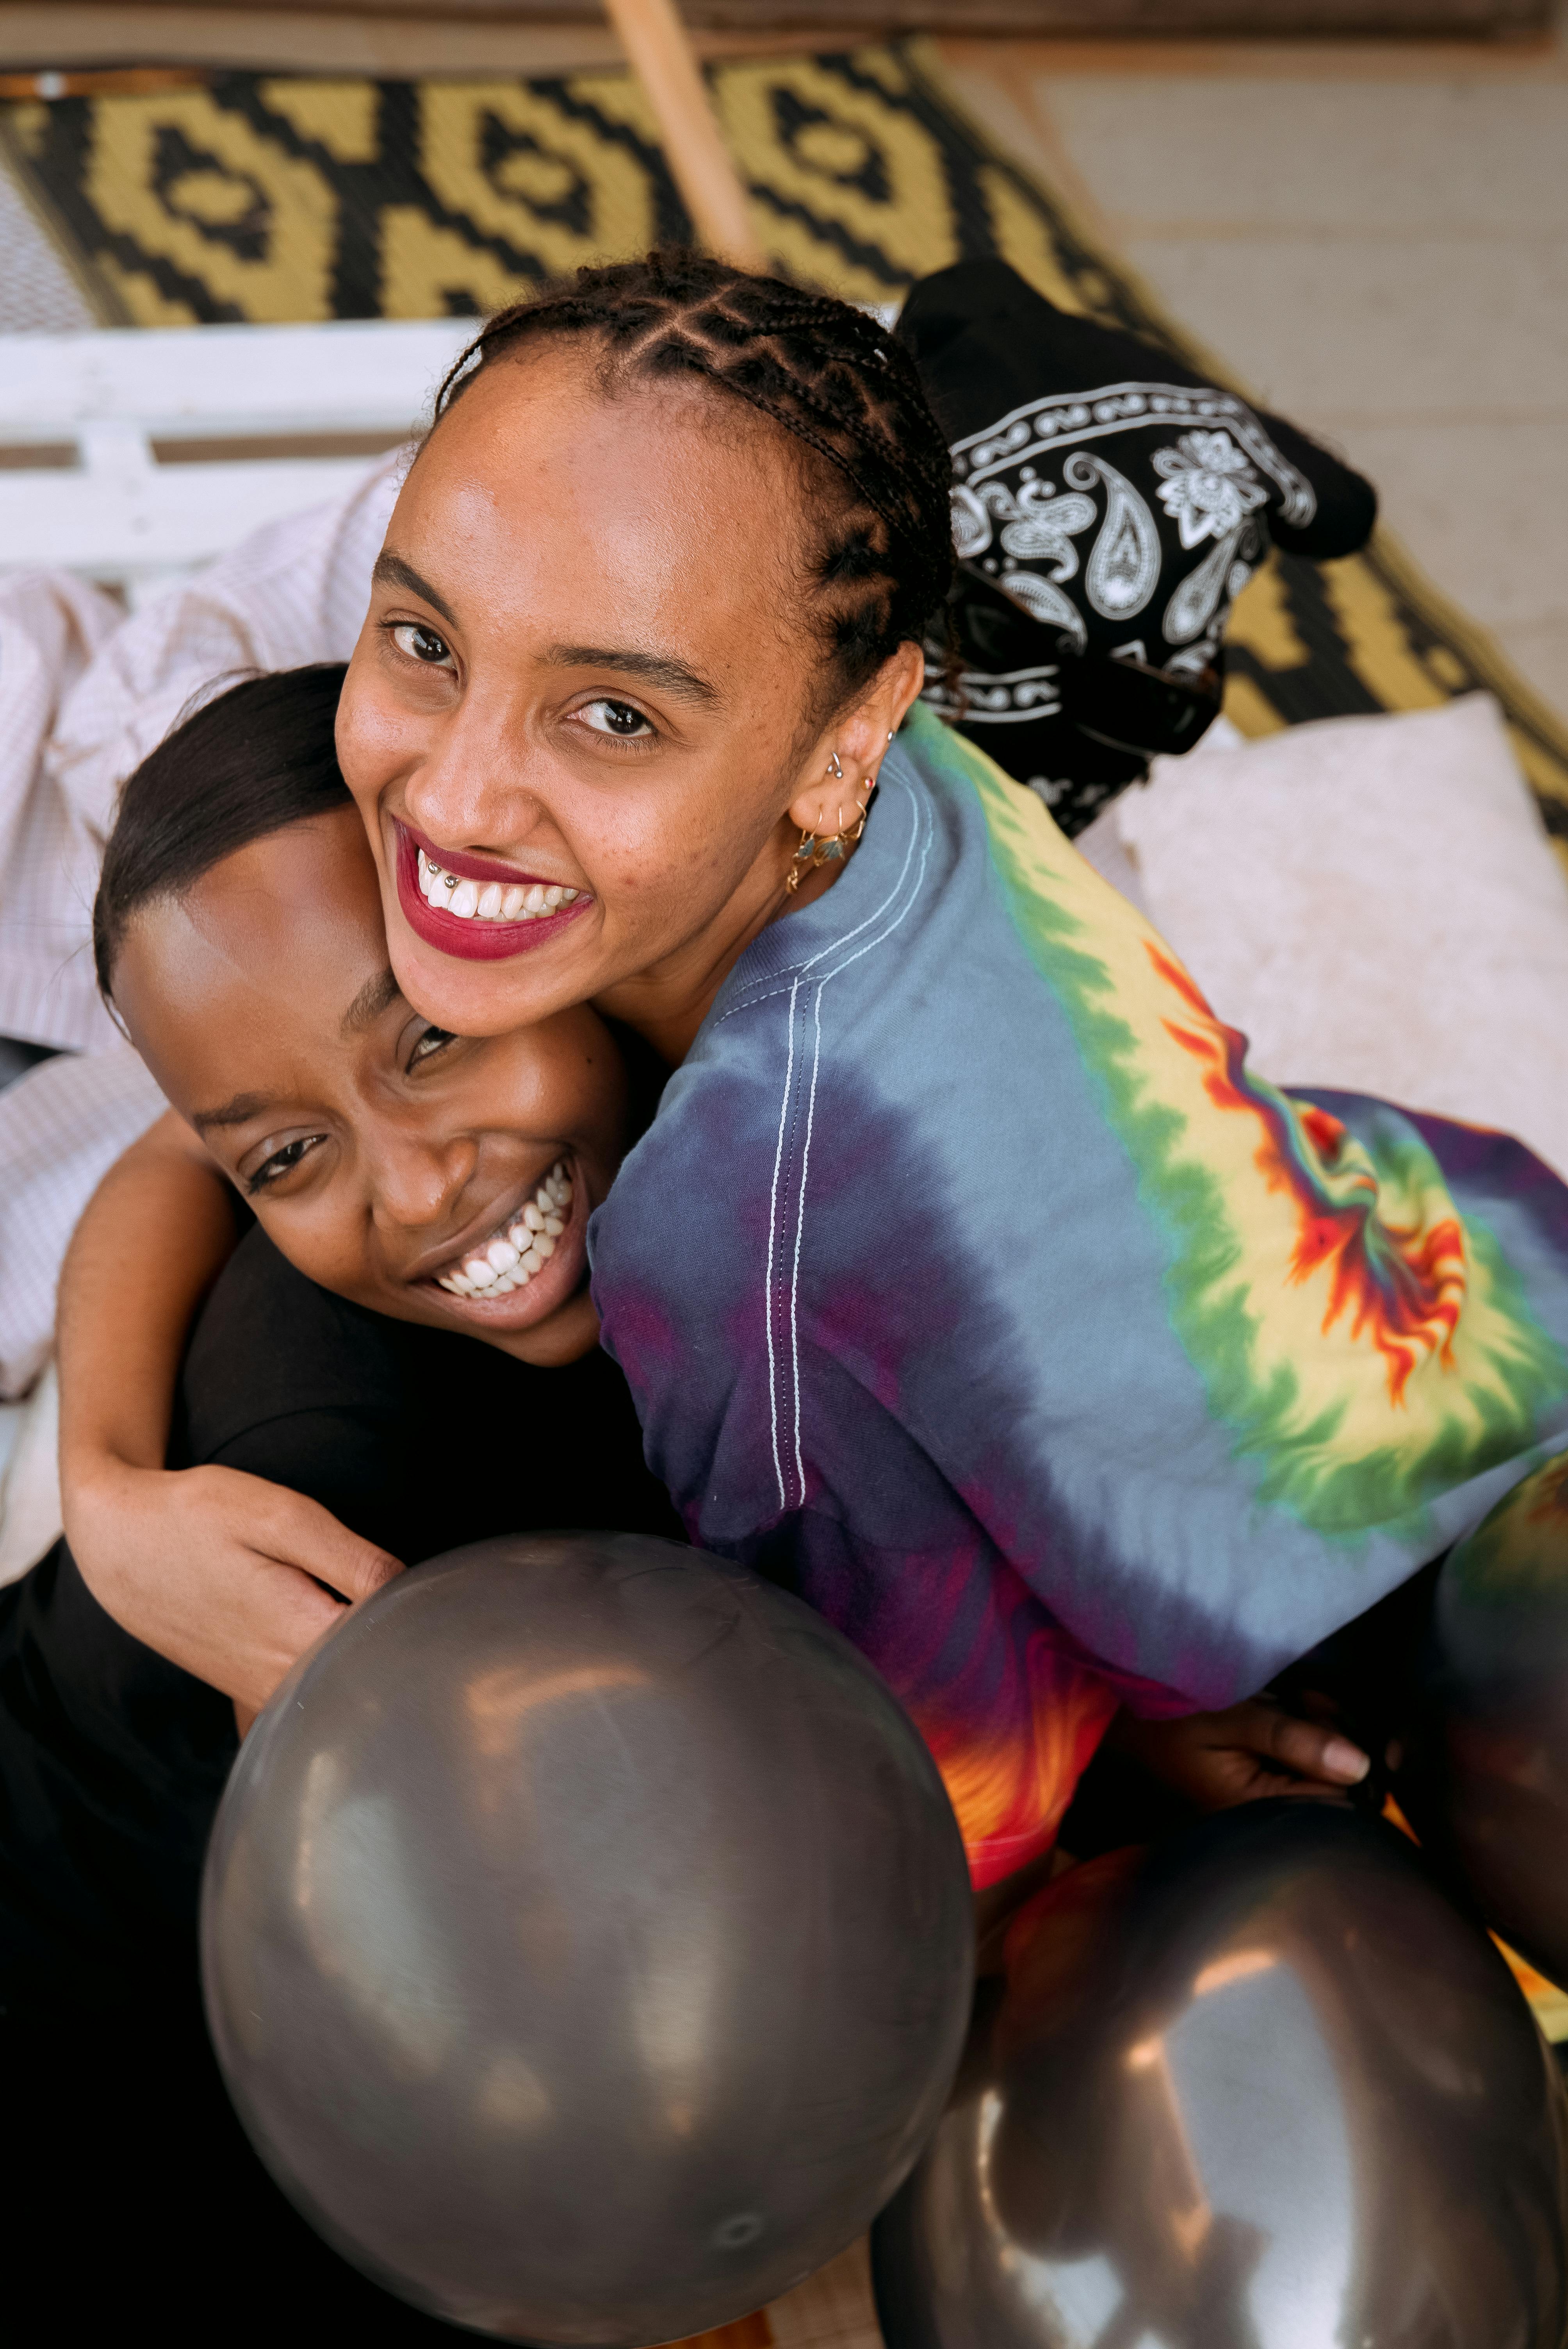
968	1280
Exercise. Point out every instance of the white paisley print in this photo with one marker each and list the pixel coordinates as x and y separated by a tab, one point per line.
1209	487
1071	536
1124	568
1034	521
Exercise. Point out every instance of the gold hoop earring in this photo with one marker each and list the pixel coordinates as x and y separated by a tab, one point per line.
817	850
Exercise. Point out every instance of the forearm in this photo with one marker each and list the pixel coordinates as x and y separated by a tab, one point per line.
226	1574
156	1234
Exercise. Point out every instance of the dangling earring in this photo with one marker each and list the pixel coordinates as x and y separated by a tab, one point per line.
830	848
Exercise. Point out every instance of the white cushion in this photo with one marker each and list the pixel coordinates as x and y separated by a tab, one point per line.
1375	902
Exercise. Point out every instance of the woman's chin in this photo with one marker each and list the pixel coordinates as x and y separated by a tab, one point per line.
482	998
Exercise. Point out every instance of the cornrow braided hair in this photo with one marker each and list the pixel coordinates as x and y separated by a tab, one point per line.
831	375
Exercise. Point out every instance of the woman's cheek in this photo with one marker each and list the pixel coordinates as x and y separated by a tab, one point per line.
375	727
655	860
320	1245
364	738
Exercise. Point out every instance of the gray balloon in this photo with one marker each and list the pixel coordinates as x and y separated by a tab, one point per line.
586	1939
1485	1778
1264	2088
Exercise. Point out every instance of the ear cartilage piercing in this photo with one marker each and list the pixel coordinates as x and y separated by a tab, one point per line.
834	769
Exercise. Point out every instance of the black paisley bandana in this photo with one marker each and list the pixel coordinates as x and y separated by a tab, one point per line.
1117	497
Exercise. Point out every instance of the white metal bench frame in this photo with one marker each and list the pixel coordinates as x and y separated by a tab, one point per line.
99	433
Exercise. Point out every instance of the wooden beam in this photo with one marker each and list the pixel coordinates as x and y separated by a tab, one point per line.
662	57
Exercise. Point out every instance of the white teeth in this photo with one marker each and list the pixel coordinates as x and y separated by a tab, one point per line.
490	901
511	1260
435	885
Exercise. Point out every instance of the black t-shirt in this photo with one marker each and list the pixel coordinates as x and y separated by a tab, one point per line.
112	1759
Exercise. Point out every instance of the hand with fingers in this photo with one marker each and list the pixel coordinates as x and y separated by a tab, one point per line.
226	1575
1252	1750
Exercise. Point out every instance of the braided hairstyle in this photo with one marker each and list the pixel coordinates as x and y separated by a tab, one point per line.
880	558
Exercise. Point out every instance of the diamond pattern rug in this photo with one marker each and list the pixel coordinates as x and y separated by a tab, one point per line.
268	197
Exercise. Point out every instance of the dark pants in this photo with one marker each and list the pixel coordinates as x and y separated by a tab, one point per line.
136	2199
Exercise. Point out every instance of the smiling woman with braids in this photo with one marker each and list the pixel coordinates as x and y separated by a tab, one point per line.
966	1279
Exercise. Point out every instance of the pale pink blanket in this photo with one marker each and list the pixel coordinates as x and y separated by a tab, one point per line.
87	693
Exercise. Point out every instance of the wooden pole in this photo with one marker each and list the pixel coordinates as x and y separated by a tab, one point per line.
662	57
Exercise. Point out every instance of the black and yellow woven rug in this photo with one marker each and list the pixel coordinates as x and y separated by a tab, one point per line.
256	197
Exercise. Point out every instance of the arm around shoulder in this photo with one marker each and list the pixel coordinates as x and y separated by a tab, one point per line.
156	1234
224	1574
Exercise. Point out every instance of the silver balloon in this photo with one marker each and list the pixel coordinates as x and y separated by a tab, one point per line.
1261	2089
587	1940
1485	1775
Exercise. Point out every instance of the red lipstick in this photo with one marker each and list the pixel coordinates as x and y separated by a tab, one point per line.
472	940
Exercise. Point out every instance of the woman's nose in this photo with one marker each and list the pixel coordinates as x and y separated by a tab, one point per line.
418	1183
474	788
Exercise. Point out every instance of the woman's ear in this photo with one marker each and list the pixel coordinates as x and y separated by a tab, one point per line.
848	759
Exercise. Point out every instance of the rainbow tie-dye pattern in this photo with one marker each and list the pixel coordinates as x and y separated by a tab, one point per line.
969	1281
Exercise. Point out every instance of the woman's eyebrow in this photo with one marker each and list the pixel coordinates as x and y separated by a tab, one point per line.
376	996
673	675
239	1111
390	570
